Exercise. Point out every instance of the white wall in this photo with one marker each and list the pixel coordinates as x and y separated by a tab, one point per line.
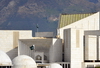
74	47
23	49
88	23
52	46
25	34
55	53
9	40
6	43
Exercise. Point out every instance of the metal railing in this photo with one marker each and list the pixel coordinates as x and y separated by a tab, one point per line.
64	64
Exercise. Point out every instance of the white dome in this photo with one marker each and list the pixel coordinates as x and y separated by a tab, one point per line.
55	65
24	61
4	59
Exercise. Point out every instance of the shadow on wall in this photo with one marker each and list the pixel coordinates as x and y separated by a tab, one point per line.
56	51
13	53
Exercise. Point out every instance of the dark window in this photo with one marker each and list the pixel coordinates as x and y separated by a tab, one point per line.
5	66
45	57
89	60
41	67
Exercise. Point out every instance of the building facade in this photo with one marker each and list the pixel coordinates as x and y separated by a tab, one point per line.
80	33
76	46
47	50
9	40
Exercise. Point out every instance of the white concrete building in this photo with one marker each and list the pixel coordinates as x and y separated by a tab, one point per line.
77	44
80	33
46	50
88	21
73	47
9	40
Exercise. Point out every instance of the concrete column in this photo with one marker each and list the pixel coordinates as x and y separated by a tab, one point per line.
42	57
86	48
97	47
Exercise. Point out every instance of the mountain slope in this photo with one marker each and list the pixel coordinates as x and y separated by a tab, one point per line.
25	14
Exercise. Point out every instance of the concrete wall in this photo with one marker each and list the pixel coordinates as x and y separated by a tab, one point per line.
88	23
98	48
9	40
74	47
23	49
51	47
44	34
55	53
67	45
41	45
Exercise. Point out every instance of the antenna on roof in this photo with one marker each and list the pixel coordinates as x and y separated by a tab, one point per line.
37	26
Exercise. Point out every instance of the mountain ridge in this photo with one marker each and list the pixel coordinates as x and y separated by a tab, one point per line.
25	14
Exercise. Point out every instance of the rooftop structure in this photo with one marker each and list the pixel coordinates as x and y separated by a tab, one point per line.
44	50
44	34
